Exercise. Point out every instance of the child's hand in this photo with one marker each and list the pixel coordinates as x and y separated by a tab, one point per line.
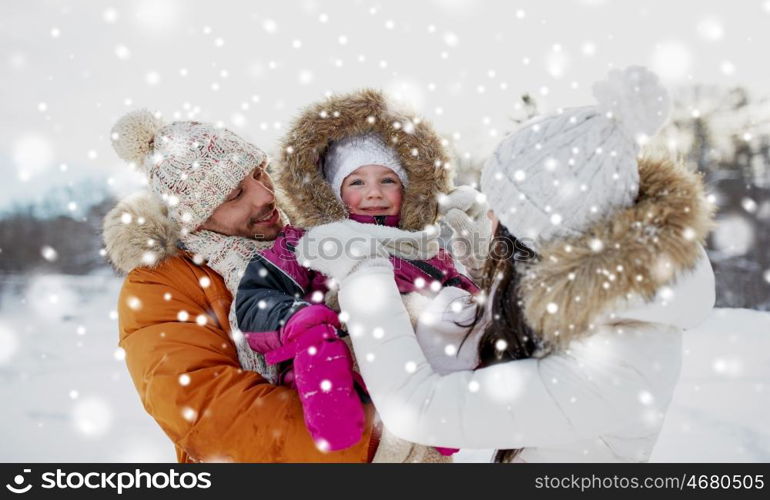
335	249
309	325
323	376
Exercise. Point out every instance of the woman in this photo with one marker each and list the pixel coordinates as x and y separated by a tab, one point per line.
581	348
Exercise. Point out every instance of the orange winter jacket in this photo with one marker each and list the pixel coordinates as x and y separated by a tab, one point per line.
174	329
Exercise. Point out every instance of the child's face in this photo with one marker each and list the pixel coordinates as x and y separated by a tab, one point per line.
372	190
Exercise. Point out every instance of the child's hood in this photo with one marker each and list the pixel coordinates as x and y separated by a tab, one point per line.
307	196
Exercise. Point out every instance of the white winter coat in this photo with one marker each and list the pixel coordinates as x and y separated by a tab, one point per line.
613	326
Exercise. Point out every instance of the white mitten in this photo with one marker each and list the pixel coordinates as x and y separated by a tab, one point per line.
465	211
409	245
337	248
466	199
444	334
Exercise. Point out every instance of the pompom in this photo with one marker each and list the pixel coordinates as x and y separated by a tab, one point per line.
635	99
133	134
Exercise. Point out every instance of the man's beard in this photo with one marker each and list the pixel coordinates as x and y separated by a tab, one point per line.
266	214
254	220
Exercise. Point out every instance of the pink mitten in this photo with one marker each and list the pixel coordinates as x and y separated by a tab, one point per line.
292	331
323	375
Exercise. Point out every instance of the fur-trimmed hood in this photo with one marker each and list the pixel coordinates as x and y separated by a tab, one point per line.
623	259
309	199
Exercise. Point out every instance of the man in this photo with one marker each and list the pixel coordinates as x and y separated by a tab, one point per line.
173	310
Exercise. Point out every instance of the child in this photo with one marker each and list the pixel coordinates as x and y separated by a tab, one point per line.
279	302
367	177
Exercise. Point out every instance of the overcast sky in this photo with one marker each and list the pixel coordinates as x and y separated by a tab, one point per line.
69	69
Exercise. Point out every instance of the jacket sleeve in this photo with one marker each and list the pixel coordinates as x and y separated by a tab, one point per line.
459	280
189	379
597	386
267	297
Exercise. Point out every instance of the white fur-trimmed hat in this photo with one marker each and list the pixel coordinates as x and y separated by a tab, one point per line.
346	155
559	173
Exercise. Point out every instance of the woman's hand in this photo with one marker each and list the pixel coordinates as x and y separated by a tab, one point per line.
465	211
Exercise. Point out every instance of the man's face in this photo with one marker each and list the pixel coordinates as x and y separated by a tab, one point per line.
249	209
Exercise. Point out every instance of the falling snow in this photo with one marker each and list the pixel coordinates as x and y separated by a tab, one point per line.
446	60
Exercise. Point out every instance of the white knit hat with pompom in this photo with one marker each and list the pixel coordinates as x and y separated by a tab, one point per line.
192	166
559	173
346	155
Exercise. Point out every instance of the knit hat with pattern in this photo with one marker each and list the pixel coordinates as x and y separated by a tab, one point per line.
192	166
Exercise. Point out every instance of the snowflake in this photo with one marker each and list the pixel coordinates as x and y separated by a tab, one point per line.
189	414
711	29
92	417
122	52
152	78
134	303
49	253
646	398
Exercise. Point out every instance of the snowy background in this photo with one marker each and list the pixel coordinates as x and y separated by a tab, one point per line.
69	69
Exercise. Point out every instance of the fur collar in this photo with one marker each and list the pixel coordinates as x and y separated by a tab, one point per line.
634	251
308	198
138	232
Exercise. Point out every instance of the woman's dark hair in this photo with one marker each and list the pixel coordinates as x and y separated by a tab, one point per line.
507	336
